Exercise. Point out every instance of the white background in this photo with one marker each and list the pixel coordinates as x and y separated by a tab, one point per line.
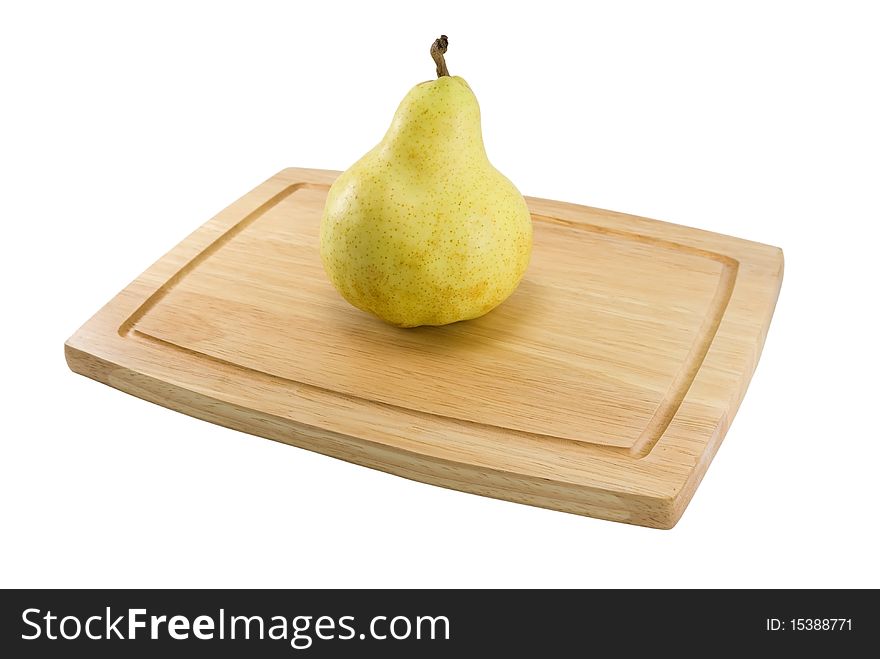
123	127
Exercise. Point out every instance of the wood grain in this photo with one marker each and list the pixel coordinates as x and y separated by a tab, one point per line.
602	387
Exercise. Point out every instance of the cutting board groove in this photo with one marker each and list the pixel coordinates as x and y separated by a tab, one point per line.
602	387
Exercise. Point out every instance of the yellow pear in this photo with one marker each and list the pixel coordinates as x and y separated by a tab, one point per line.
423	230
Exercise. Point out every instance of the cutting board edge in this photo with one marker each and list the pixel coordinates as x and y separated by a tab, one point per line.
660	511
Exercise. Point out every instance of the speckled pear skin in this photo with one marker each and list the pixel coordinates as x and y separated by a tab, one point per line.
423	230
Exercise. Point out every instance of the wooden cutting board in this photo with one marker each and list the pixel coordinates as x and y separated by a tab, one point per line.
602	387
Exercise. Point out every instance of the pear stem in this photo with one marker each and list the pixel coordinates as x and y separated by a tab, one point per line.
437	49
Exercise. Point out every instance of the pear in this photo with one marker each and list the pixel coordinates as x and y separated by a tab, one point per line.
423	230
